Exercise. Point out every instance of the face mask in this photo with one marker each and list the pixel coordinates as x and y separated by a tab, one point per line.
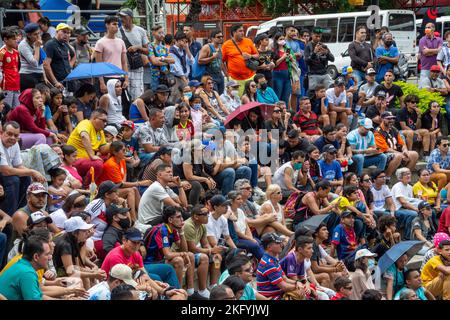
388	43
235	92
282	42
263	86
371	264
197	106
124	223
188	95
297	166
82	43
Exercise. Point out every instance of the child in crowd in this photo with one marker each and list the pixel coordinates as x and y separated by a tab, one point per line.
344	241
185	127
60	111
343	288
72	106
57	194
9	67
131	146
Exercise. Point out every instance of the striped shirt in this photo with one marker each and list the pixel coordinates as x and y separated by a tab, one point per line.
268	275
359	142
162	236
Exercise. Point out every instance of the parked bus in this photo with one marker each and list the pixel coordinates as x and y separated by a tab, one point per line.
342	26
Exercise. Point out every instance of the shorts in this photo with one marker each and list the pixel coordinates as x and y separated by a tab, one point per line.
390	157
197	259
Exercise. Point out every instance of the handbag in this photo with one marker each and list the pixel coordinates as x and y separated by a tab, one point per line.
251	63
134	58
167	78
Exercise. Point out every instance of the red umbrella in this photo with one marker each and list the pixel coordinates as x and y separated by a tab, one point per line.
241	112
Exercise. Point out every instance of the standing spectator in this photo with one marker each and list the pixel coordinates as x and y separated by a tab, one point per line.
361	54
296	49
83	51
183	61
159	58
16	18
113	50
364	149
317	56
194	46
57	65
48	32
136	42
392	90
15	177
387	56
89	139
429	47
337	101
9	68
235	53
32	57
439	163
443	57
266	57
283	57
211	56
303	41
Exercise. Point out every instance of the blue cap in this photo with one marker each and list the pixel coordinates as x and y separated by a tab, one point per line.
218	200
31	27
133	234
194	83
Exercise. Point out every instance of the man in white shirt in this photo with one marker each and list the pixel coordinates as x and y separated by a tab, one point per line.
119	274
14	176
337	101
382	197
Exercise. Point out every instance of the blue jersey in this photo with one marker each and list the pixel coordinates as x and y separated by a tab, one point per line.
345	241
330	171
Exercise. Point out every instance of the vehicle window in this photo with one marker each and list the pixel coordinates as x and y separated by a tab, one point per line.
346	29
446	28
284	23
438	26
304	24
401	22
330	25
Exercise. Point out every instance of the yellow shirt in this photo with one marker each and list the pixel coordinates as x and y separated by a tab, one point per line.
97	138
429	271
343	203
428	194
16	258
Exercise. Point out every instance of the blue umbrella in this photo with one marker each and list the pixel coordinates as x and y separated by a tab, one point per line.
313	222
94	70
393	254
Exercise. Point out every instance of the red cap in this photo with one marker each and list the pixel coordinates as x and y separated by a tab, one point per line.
128	123
435	68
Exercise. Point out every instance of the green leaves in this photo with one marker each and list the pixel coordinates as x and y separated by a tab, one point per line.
425	97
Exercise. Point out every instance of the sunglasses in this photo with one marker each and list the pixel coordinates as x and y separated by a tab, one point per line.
276	111
445	145
366	180
348	288
219	37
252	86
248	188
202	214
382	177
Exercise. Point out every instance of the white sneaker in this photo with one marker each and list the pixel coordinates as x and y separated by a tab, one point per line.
204	293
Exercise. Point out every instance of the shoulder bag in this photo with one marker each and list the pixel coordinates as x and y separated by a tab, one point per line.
251	63
134	58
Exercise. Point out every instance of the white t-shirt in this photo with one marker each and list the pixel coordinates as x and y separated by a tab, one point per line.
97	210
151	205
10	156
58	217
241	223
379	197
336	101
400	190
100	291
217	228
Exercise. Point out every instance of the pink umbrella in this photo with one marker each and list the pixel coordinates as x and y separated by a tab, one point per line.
241	112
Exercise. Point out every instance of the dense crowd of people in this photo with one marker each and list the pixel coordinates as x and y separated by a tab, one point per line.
156	184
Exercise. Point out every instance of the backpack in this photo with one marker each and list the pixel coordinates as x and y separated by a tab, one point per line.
198	70
294	208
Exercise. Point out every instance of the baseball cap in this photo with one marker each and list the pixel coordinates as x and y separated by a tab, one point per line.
435	68
232	83
112	210
36	188
371	71
107	186
123	272
194	83
218	200
364	253
126	12
31	27
346	214
439	237
303	231
63	26
133	234
381	93
76	223
81	31
162	88
128	123
340	81
387	115
423	205
293	134
112	130
269	238
38	217
366	123
329	148
346	70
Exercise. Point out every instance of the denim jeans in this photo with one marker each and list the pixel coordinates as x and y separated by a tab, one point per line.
365	161
163	272
254	167
282	85
360	76
424	73
3	239
227	177
404	220
302	85
219	83
15	193
254	248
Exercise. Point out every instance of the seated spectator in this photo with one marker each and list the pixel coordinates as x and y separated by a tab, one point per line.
60	114
373	295
394	277
86	96
307	121
362	277
236	284
118	220
211	100
444	221
159	194
435	272
392	90
264	93
390	142
271	282
328	137
382	197
388	236
112	101
426	190
439	163
344	289
319	105
296	143
433	83
410	120
414	282
375	110
275	123
89	139
73	179
222	292
138	109
119	274
330	168
31	120
351	84
364	149
273	207
432	121
124	292
337	101
313	157
230	98
56	192
75	202
366	96
344	243
287	175
183	126
345	154
249	95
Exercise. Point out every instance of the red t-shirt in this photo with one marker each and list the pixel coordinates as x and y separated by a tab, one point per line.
185	133
283	65
116	256
310	125
444	221
9	64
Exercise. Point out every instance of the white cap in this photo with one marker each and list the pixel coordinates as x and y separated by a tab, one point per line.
123	272
366	123
76	223
364	253
112	130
